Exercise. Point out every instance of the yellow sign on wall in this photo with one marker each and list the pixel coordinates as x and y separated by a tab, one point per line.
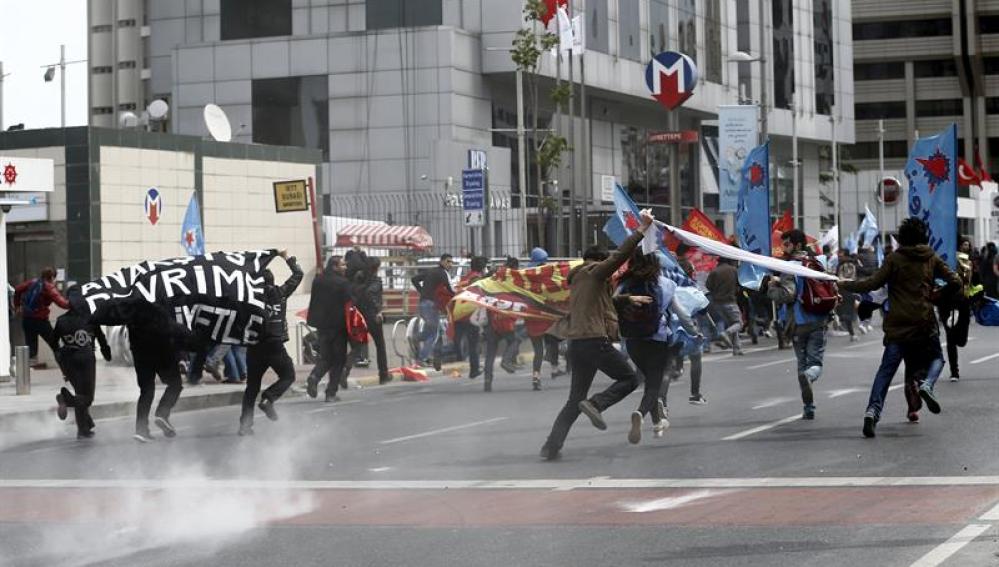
291	196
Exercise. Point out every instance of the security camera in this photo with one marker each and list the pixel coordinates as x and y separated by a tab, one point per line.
6	208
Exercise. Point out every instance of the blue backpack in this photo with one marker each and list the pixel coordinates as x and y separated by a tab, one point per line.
640	321
987	315
32	300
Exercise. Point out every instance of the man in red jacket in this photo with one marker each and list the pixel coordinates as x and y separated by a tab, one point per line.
32	300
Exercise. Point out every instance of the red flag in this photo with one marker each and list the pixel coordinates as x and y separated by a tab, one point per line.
781	225
966	175
551	8
983	173
784	223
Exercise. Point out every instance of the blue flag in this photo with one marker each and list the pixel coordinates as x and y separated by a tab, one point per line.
752	218
192	238
867	232
625	220
932	175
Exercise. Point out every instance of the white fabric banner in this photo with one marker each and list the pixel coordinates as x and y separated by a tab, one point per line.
710	246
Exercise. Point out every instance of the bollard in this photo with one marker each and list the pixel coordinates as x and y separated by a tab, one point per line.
22	370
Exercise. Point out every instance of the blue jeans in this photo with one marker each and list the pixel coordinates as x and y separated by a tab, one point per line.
809	349
920	358
235	363
431	325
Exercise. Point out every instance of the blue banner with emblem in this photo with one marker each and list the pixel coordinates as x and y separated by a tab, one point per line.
752	217
932	174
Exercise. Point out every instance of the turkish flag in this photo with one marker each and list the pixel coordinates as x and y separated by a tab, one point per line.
966	175
983	173
551	8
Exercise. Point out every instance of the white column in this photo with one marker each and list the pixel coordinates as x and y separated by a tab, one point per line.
4	307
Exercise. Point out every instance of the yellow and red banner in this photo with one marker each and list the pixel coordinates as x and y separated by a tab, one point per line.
540	293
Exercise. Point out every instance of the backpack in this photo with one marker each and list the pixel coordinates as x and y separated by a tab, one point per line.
640	321
357	327
32	300
818	297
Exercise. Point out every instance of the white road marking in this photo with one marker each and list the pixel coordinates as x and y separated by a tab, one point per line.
334	405
380	469
772	363
863	345
442	430
843	392
542	484
896	386
940	553
992	515
581	483
672	502
984	358
772	402
761	428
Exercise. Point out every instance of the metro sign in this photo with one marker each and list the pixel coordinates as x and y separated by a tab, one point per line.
671	77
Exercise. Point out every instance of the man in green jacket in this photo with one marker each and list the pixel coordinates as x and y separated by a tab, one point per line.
592	325
911	331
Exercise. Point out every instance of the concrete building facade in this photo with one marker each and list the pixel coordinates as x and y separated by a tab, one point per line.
395	93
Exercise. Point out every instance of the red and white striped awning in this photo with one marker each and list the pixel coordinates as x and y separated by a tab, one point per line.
385	236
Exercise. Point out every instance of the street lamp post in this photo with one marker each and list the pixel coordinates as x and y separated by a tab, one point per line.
881	177
50	75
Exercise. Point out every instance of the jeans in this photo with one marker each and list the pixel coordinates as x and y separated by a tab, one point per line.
431	325
235	363
651	358
471	333
260	357
492	348
809	349
728	314
587	356
34	328
545	348
918	356
147	366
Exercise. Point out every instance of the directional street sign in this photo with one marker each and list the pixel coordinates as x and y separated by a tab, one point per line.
473	190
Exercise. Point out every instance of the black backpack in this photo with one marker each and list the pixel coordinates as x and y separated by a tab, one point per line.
639	321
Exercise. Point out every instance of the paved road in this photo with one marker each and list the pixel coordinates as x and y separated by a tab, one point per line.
444	474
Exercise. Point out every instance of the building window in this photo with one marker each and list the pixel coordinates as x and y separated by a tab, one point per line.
712	46
382	14
991	65
783	53
934	68
629	31
878	71
126	106
101	28
242	19
102	69
988	24
876	110
901	29
596	26
944	107
825	83
869	150
126	64
658	26
992	106
292	111
686	28
101	110
130	23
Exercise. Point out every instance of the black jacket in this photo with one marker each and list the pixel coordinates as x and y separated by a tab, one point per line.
276	302
75	333
330	293
367	293
433	284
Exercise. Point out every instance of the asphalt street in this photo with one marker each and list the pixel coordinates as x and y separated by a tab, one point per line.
444	474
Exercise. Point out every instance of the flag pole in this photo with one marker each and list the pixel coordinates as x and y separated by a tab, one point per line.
881	178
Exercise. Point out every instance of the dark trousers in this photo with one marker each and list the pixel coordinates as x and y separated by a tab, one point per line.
332	359
377	333
587	356
260	358
917	356
81	371
471	334
956	322
651	358
492	347
147	367
33	329
545	348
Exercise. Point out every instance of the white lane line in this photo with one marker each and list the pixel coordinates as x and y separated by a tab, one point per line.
671	502
992	515
334	405
896	387
772	363
863	345
984	358
540	484
843	392
380	469
756	430
940	553
443	430
772	402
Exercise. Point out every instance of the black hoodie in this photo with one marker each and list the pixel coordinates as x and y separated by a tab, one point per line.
73	330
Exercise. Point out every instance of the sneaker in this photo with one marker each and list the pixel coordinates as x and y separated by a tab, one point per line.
659	429
808	412
558	372
62	411
813	373
312	388
331	397
511	369
536	383
955	378
662	410
245	430
698	400
870	422
854	339
143	436
267	406
591	411
550	454
635	433
738	353
913	416
214	372
474	375
929	399
165	426
85	434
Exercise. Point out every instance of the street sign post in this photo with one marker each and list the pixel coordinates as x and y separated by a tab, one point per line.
473	192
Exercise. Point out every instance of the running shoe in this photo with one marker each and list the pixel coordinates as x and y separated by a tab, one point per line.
697	400
62	410
870	422
591	411
165	426
913	416
929	399
808	412
635	433
267	406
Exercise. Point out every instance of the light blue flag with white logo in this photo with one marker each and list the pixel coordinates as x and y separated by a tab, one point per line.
868	229
192	238
752	218
932	175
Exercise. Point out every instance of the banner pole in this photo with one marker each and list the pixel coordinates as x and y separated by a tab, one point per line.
315	226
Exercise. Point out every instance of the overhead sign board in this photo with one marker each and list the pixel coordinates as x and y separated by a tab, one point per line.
473	194
681	137
31	175
291	196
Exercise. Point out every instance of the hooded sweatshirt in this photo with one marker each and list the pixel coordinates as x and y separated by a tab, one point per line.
74	330
909	274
